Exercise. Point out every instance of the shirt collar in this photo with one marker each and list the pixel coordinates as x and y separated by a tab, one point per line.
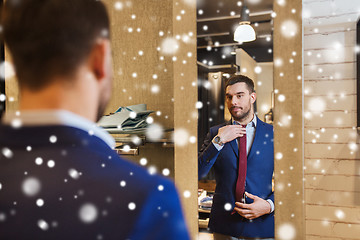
57	117
250	124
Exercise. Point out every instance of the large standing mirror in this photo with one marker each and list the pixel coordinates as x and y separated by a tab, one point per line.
219	56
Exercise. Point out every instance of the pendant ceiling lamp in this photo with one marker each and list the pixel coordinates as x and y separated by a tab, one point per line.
244	32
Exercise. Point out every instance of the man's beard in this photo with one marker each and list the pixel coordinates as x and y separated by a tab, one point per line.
242	116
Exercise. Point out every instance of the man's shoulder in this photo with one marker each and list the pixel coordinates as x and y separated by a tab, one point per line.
74	145
265	126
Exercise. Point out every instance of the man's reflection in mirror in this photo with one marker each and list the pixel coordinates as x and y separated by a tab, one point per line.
241	153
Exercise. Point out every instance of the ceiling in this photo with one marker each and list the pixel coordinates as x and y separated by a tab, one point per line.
216	24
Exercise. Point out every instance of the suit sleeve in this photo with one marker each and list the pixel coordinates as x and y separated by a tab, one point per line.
271	197
161	217
207	155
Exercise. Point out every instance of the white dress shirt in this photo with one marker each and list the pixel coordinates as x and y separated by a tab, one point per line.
56	117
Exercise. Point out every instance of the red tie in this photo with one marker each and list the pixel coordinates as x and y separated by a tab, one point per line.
240	183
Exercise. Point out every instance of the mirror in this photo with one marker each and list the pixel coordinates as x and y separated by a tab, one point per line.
219	57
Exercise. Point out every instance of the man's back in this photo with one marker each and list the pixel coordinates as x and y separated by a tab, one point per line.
60	182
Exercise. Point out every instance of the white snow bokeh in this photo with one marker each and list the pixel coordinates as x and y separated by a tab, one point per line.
40	202
339	214
123	183
51	163
181	137
289	28
258	69
169	46
31	186
187	193
281	2
53	139
6	70
353	146
126	148
154	132
286	231
150	120
192	3
73	173
43	225
39	161
317	105
285	120
160	188
278	62
2	97
198	105
88	213
279	186
278	155
132	115
136	140
119	5
192	139
253	2
143	161
281	98
155	89
152	170
16	123
227	206
7	152
166	172
132	206
2	217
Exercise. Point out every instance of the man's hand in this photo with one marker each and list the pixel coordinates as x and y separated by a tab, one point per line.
230	132
254	210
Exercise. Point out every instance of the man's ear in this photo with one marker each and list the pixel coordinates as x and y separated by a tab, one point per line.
253	97
98	59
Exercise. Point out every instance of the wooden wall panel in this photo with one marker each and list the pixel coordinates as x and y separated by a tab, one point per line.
289	206
332	169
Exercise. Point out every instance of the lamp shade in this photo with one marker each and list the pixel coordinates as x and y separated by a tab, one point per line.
244	33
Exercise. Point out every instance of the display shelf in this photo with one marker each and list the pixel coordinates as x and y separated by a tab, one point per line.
126	138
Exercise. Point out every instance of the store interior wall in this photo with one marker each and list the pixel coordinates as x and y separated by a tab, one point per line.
332	166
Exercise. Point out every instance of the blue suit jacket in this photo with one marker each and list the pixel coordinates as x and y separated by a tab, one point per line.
260	167
144	206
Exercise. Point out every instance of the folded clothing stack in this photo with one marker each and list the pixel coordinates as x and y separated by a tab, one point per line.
126	118
206	202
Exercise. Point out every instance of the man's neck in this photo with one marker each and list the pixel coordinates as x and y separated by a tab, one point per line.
58	96
247	120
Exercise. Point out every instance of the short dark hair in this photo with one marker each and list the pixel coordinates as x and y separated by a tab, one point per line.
241	78
50	38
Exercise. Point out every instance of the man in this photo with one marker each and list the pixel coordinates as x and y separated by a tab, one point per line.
243	203
59	177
